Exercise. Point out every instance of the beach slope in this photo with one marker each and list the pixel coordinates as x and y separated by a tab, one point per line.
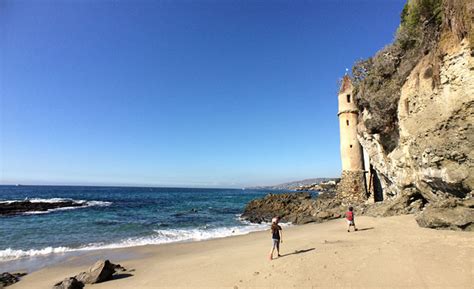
385	253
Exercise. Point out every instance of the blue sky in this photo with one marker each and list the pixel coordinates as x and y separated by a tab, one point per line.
178	93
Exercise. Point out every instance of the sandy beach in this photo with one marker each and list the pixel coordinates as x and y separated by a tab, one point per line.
385	253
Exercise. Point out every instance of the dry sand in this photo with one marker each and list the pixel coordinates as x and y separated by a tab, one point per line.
386	253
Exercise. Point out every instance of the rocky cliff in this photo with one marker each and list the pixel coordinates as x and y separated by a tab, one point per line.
416	121
416	99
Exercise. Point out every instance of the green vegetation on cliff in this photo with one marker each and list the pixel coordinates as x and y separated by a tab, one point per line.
378	80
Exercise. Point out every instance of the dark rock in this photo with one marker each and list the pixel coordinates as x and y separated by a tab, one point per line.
119	268
69	283
101	271
448	214
10	278
282	205
297	208
20	207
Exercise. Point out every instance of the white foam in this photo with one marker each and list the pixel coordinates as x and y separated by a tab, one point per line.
58	200
180	235
40	200
159	237
53	200
11	254
268	224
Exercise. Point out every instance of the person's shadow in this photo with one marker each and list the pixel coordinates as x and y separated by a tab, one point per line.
365	229
297	252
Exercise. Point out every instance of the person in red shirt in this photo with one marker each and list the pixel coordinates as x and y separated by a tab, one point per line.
350	219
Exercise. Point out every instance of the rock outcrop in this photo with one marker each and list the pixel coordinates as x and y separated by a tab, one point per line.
450	214
286	206
297	208
20	207
10	278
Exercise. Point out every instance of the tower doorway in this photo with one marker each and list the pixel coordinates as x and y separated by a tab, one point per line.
377	186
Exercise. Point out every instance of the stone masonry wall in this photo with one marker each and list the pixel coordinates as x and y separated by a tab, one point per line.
351	189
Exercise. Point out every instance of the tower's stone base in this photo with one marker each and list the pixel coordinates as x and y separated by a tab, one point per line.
351	189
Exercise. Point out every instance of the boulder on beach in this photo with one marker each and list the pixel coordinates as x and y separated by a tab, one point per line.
69	283
101	271
448	214
10	278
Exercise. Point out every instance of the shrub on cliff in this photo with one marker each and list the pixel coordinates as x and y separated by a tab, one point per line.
378	80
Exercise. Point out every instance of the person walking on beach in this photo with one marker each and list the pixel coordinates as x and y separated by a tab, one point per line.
277	237
350	219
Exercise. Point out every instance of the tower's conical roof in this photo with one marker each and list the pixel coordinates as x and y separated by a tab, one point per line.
346	83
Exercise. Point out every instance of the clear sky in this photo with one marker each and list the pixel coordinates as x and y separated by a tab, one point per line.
178	93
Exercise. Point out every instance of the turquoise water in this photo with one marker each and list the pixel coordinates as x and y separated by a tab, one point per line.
118	217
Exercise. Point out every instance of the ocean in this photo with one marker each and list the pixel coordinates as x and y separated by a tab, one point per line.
116	217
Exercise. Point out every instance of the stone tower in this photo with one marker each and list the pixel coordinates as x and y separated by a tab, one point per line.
352	188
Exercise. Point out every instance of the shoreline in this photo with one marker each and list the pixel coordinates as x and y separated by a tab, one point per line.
37	261
384	252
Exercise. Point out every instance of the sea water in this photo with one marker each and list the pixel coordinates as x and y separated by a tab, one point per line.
118	217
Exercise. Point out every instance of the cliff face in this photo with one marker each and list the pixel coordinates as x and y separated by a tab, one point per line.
435	125
417	123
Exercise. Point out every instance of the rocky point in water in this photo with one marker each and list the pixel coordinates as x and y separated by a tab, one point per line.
297	208
19	207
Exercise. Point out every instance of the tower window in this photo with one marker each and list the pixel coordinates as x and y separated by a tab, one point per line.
348	98
350	146
347	122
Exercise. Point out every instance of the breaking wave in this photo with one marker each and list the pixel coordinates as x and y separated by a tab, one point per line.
84	203
158	237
